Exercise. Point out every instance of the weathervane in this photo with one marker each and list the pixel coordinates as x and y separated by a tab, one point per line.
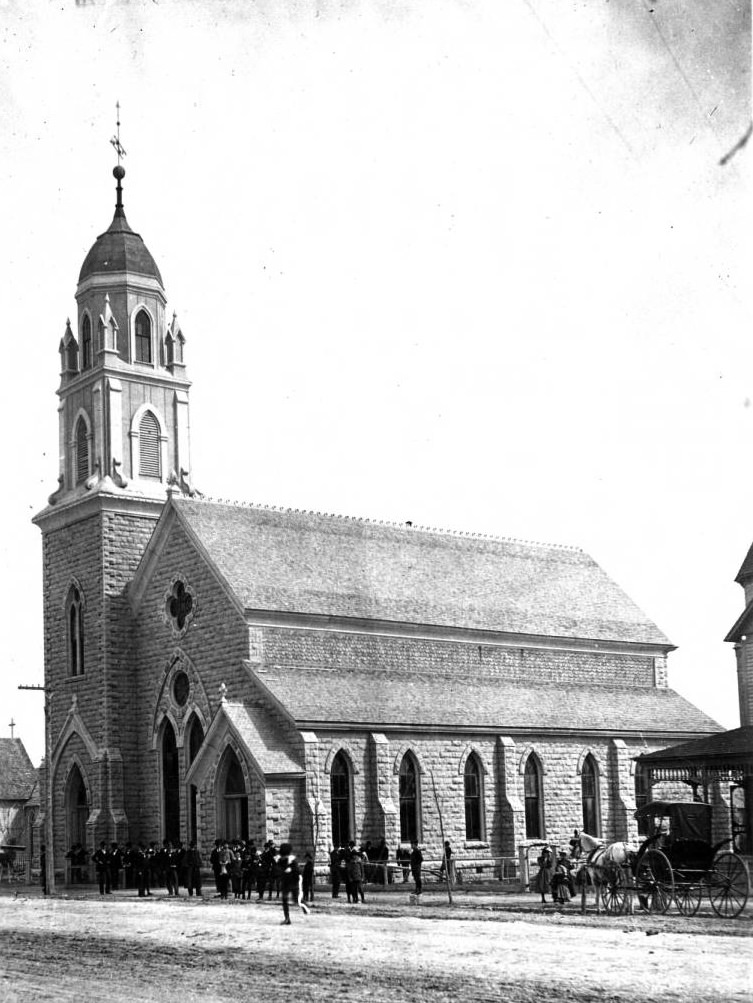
116	138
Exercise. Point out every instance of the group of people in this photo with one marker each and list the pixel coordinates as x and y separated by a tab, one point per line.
352	866
141	866
239	867
555	875
241	870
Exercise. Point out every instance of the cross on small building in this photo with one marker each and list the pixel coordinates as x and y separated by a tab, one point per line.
12	725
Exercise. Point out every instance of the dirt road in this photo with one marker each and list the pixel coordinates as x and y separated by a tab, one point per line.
123	948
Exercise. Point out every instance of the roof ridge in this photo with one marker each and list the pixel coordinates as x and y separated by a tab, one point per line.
365	520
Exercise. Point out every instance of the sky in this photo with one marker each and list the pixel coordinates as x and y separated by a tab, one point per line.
476	265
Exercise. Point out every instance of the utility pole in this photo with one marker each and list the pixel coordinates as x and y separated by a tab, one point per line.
48	828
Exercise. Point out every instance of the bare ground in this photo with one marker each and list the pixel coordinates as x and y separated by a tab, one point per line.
484	947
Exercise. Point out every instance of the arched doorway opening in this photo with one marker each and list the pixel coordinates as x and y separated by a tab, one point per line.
234	800
195	738
76	809
170	784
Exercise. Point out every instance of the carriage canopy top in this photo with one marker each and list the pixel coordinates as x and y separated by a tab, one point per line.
687	819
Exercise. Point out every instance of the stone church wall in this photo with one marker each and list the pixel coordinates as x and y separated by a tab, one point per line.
212	646
385	655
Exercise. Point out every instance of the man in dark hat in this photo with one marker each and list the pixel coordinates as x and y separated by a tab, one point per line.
289	872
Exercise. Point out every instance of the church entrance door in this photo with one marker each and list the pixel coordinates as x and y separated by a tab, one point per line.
170	784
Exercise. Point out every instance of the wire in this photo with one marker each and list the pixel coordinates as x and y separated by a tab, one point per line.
613	125
644	5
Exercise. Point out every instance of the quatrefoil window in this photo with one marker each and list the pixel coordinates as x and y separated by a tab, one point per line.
180	605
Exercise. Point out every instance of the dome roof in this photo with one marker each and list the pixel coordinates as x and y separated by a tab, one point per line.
119	249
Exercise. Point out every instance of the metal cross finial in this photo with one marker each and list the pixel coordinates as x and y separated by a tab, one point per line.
12	725
116	138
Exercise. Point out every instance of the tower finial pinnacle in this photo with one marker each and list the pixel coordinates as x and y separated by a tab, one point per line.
119	149
119	171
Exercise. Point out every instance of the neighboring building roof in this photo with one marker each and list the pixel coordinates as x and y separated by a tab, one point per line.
316	696
333	566
119	249
746	569
17	775
736	744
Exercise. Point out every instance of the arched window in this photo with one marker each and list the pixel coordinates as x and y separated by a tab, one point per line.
533	799
409	799
86	343
82	451
473	801
149	447
74	615
235	800
76	808
589	784
170	784
71	356
143	339
339	790
195	738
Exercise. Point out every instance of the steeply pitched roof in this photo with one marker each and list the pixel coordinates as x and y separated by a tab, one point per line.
310	563
266	742
366	697
17	775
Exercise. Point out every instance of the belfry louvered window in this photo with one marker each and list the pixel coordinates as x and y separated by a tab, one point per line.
82	451
149	447
86	343
143	331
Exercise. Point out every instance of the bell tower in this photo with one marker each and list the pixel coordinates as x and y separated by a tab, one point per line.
123	446
123	389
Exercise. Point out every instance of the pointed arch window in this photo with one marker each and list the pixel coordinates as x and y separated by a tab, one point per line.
143	337
195	739
474	827
339	787
71	355
74	616
534	801
86	343
150	447
409	799
589	783
235	800
82	451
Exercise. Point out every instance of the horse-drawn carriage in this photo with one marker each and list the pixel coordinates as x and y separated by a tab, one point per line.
676	862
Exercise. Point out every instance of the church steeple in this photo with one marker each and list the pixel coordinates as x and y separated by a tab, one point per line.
123	389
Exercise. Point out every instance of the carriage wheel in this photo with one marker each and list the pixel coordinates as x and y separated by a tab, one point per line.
729	884
688	897
654	881
614	892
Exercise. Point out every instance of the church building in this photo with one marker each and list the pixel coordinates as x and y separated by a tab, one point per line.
219	669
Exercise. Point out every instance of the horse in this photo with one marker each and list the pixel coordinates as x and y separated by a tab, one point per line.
604	866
